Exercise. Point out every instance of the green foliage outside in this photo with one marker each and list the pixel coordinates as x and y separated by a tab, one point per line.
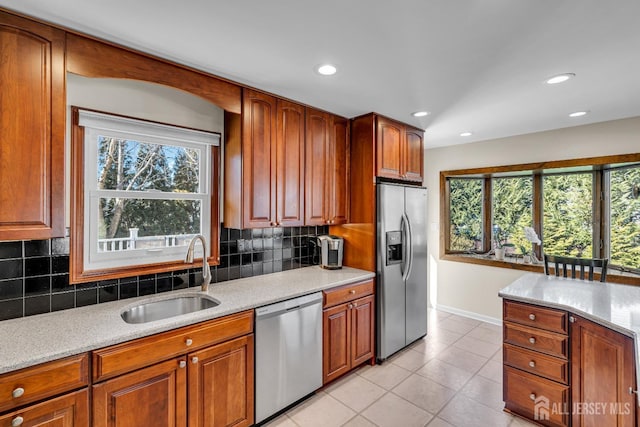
125	165
466	214
568	215
625	218
512	201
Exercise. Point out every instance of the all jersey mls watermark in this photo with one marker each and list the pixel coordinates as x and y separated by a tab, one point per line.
543	408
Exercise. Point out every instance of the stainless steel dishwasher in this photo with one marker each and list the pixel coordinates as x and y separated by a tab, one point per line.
288	340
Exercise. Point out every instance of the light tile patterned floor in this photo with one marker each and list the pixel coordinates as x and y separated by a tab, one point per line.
452	377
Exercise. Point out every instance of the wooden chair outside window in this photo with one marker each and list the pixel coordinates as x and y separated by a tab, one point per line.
565	263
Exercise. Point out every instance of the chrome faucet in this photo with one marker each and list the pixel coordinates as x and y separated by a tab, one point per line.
206	271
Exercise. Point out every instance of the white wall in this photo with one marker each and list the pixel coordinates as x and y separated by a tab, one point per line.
474	288
140	100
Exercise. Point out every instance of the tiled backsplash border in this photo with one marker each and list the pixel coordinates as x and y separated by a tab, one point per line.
34	274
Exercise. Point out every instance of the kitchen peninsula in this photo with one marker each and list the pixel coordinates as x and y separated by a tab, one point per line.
570	343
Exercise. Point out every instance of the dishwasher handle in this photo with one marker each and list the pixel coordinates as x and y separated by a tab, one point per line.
288	305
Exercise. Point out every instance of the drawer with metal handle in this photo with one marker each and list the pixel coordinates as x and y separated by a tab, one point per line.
41	381
537	363
536	339
539	317
536	398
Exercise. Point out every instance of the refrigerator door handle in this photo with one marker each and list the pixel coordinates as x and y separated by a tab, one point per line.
403	230
407	252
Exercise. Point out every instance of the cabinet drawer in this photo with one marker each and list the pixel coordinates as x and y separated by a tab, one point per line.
346	293
536	398
537	363
536	339
539	317
43	381
125	357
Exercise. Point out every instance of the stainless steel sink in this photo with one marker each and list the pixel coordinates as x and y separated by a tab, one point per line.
165	309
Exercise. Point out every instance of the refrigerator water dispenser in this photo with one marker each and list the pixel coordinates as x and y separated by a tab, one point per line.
394	247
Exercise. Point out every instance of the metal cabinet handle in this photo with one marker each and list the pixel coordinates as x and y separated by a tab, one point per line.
532	316
18	392
532	340
572	319
532	364
188	342
17	421
182	364
355	304
194	360
350	305
352	291
532	396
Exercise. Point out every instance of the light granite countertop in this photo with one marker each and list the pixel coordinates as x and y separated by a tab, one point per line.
608	304
36	339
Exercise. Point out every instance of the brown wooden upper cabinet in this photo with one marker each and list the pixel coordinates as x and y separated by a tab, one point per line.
32	124
327	168
264	163
399	150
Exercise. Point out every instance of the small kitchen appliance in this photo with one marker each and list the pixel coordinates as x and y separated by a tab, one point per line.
330	249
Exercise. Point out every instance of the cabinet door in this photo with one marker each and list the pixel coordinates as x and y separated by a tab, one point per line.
153	396
221	385
290	164
336	342
413	156
32	127
338	164
389	142
602	373
71	410
317	154
258	159
362	330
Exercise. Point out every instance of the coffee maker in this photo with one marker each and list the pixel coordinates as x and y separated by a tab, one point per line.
329	250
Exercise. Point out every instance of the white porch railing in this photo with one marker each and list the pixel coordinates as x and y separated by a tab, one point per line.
133	241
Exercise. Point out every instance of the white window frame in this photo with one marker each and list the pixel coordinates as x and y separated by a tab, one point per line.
96	124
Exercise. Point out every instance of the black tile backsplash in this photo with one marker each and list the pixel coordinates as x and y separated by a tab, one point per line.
34	274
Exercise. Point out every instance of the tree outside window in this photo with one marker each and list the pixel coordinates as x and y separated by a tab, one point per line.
624	217
568	215
511	208
466	214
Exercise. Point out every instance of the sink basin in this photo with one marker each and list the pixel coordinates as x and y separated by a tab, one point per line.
165	309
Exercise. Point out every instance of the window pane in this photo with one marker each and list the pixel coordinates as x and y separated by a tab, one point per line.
138	166
625	218
568	215
512	200
466	214
144	223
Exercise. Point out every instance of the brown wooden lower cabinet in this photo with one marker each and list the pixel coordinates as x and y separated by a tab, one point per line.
221	384
539	353
602	376
347	330
156	396
209	385
70	410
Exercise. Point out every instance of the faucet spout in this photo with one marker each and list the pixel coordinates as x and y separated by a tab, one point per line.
206	271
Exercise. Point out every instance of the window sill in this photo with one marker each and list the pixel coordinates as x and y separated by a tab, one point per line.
613	276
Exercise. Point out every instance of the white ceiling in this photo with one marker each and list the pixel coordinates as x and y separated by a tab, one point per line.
476	65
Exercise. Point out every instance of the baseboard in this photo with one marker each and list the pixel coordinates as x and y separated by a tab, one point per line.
469	314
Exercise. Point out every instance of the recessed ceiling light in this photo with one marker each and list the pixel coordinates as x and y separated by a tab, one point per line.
560	78
420	114
327	69
578	114
466	134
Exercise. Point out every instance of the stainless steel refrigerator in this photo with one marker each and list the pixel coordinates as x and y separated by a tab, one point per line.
401	267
